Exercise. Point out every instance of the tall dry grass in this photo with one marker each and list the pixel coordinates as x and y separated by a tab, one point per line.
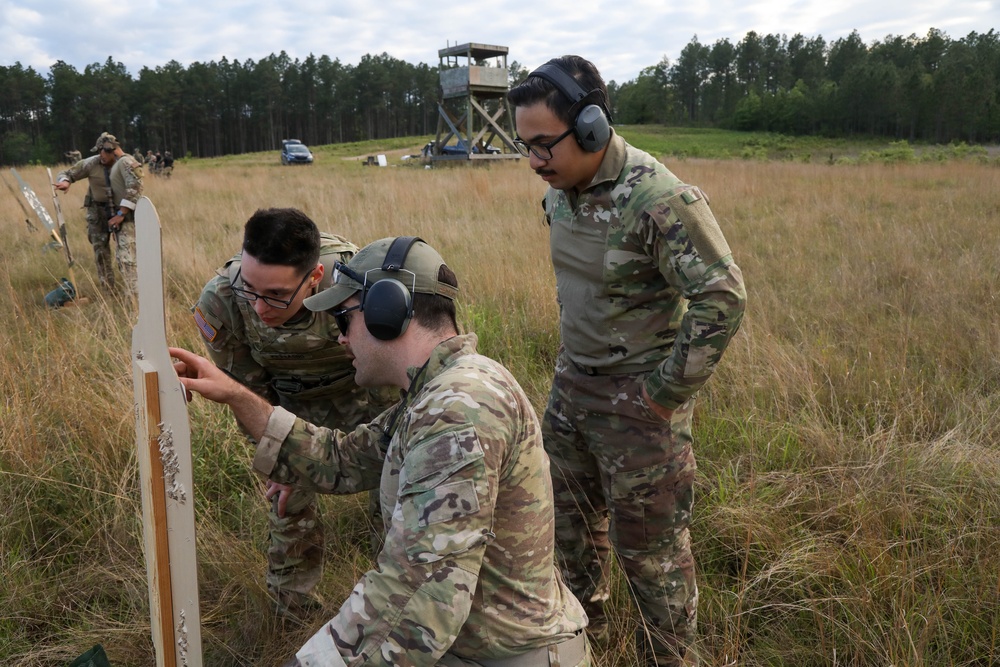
848	508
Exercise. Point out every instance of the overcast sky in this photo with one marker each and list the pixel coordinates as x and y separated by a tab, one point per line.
620	37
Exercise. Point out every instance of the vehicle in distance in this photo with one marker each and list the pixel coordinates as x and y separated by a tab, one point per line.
295	152
457	149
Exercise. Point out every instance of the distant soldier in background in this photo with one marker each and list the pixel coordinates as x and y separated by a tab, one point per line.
168	163
72	157
138	155
115	185
257	330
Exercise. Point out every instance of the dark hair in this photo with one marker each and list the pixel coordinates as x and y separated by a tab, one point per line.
536	89
434	311
283	236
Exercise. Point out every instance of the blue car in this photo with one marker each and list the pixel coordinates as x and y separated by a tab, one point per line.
294	151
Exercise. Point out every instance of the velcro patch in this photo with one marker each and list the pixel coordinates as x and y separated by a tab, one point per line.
206	329
692	210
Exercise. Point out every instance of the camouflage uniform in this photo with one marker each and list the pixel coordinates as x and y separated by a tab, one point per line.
126	184
110	189
649	297
468	564
301	367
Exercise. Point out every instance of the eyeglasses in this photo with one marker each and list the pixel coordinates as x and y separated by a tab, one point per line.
340	317
274	302
106	149
541	151
339	267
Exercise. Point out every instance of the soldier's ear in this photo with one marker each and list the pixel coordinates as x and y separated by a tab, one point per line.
317	275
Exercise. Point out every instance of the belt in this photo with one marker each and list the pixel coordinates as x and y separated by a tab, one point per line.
621	369
567	653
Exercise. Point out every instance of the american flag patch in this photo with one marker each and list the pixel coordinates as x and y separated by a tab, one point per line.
206	329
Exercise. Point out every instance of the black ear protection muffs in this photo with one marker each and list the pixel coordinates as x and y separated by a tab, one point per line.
592	127
387	304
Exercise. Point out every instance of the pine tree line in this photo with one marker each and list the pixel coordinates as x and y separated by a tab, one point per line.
928	88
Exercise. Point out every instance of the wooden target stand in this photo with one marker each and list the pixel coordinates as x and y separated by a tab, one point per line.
163	438
58	231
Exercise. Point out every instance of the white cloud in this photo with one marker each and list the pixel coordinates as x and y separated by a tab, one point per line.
620	38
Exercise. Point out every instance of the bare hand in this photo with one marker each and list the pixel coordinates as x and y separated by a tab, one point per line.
115	223
201	375
664	413
283	491
62	186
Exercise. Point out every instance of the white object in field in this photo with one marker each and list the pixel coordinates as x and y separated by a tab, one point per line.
163	437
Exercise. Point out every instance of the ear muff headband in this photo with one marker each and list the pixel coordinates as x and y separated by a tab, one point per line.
592	126
397	252
388	303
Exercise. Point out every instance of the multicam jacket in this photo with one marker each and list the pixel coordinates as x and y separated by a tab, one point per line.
126	183
468	562
299	365
90	168
631	252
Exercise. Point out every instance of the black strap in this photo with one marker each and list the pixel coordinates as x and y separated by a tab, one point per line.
559	78
568	86
397	252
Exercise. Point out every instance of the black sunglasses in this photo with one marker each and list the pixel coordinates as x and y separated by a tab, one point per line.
340	267
340	317
105	149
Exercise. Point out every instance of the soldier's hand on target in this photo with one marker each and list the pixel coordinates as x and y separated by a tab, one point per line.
201	375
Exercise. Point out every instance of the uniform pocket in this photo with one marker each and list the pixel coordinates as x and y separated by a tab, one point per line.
439	495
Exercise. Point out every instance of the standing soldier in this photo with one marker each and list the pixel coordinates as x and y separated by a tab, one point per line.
649	299
114	187
257	330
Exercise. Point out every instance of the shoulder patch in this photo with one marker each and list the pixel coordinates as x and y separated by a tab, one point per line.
691	208
207	330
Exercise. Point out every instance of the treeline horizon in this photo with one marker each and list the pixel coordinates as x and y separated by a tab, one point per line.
932	89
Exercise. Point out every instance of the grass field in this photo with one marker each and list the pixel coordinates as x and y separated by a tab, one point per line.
848	496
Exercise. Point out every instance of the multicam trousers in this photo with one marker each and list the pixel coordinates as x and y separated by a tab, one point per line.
623	477
295	554
100	237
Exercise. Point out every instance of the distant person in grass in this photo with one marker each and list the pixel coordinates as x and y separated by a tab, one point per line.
114	182
649	298
255	328
467	576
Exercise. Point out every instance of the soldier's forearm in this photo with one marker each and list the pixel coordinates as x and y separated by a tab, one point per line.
251	411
